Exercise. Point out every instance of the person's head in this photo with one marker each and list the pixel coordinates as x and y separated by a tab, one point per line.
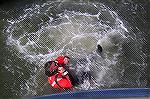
66	59
63	60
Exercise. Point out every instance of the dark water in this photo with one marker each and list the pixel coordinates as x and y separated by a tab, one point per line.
16	72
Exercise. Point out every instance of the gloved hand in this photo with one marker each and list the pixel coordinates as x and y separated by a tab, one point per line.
56	63
61	69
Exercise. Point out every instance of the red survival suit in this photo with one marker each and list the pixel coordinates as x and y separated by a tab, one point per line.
60	79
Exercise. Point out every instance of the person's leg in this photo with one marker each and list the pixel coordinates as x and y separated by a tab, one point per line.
73	76
82	75
79	78
85	75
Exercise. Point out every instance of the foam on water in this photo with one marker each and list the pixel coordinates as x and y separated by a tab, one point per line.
74	33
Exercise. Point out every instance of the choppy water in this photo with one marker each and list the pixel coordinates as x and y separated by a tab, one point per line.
73	29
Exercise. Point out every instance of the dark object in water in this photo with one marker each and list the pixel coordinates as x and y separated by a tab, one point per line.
99	48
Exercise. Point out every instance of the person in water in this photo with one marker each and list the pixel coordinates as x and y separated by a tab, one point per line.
59	74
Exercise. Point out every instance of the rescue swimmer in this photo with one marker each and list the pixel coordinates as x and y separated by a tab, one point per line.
60	76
